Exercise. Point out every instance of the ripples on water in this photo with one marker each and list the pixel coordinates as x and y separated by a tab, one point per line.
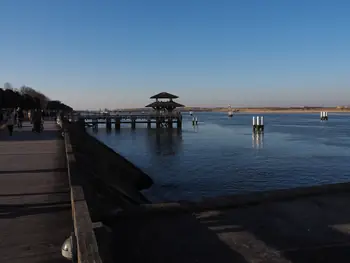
221	156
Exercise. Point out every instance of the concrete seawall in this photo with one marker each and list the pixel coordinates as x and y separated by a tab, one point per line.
301	225
109	176
239	201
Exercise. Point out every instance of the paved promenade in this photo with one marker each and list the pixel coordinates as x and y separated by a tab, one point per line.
35	215
313	229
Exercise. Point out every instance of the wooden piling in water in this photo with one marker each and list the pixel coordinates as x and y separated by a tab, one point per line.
158	122
324	116
258	124
117	123
108	124
179	123
133	123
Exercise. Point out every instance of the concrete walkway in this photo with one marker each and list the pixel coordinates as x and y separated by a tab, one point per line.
312	229
35	212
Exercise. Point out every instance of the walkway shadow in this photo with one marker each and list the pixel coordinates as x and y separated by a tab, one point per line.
55	170
67	192
13	211
25	135
301	231
172	238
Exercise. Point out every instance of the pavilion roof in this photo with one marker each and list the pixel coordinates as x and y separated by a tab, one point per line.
164	95
165	104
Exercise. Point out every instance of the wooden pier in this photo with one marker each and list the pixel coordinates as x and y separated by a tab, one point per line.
151	119
162	116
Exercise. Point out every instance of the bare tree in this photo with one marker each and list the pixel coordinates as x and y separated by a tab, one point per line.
35	94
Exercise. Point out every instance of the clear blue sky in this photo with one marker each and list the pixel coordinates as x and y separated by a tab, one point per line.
96	54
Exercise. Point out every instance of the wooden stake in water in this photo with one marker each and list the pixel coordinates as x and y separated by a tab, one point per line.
254	123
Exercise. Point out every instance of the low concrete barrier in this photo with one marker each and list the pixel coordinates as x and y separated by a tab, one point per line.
86	244
235	201
112	169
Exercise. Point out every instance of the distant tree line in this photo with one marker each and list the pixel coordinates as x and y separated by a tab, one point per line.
28	98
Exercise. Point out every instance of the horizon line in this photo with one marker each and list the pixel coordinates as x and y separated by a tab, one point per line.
222	107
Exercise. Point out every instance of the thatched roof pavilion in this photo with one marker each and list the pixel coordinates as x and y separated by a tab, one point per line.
169	105
164	95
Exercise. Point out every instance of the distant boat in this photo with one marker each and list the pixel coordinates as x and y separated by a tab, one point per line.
230	113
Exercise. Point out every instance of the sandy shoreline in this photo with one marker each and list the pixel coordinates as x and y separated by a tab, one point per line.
289	111
255	110
270	110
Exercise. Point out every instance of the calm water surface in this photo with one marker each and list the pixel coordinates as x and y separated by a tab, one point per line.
221	156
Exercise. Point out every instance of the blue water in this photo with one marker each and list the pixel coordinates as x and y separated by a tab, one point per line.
221	156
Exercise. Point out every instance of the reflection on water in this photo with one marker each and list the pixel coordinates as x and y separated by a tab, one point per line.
164	141
258	140
195	128
220	155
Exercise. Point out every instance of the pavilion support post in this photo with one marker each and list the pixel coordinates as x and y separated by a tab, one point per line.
170	123
108	124
95	124
81	122
158	122
117	123
149	123
133	123
179	123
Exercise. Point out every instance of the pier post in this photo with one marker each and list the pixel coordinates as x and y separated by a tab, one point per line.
81	123
117	123
149	122
254	124
324	116
179	123
133	123
95	123
108	124
258	124
170	122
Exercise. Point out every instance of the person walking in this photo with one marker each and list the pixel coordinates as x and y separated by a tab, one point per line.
37	118
20	117
10	121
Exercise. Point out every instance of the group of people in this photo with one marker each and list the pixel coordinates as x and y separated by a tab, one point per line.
10	118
